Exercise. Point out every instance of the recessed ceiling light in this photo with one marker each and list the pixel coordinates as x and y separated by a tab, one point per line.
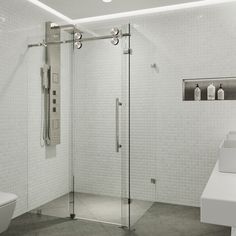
107	1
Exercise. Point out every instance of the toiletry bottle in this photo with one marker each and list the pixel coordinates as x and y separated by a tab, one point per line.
221	93
197	93
211	92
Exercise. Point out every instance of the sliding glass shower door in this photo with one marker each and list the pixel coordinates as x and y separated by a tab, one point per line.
100	127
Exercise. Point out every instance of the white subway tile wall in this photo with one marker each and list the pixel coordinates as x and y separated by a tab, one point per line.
24	170
48	168
173	141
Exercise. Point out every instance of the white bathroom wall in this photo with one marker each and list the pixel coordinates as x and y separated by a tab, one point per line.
177	141
24	169
13	106
172	141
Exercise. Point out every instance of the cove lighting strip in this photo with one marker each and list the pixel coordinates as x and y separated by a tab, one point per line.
175	7
152	10
51	10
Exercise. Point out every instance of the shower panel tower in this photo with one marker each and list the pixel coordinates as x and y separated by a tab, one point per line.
51	85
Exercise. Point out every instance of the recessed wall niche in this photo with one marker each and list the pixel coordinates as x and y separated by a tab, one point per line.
228	84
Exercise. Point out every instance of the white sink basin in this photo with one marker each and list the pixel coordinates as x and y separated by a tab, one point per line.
218	200
227	156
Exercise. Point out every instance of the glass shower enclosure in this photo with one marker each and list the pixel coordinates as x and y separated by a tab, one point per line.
99	175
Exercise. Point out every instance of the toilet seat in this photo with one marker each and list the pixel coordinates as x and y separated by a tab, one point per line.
6	198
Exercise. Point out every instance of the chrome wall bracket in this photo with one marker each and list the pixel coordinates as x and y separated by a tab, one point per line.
128	51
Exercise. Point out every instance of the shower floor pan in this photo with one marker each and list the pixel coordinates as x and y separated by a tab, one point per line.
94	207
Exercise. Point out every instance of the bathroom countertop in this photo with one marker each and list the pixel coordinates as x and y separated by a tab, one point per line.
218	200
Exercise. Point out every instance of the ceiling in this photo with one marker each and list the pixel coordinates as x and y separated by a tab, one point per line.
77	9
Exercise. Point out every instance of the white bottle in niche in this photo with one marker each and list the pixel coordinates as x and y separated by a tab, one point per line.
197	93
221	93
211	92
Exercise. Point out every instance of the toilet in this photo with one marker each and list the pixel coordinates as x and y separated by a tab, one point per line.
7	207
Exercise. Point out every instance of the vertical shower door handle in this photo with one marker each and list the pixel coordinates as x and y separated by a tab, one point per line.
118	104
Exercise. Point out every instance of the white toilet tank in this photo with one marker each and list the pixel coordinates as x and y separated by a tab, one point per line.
7	207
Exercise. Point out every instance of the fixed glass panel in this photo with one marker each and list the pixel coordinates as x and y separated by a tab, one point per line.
48	165
142	135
